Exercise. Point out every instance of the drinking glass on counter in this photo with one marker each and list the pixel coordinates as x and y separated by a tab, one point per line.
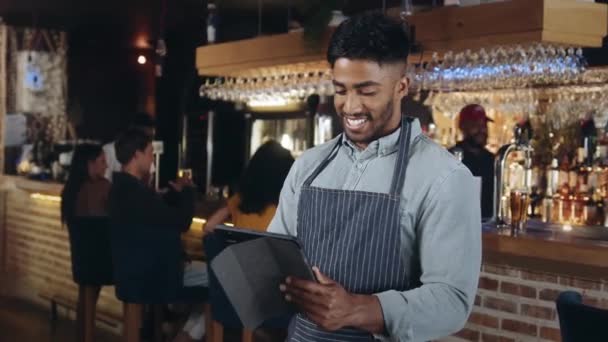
185	173
519	201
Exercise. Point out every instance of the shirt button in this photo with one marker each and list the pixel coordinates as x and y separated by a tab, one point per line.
359	166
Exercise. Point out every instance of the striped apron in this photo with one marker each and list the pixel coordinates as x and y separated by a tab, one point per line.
354	238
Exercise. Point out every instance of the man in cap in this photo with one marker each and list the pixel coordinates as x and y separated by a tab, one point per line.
473	123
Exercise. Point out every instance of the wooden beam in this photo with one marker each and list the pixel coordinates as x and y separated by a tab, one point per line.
259	52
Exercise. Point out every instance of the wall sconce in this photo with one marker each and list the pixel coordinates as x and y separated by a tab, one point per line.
142	59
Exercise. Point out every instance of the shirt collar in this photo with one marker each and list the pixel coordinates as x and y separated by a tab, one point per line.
383	146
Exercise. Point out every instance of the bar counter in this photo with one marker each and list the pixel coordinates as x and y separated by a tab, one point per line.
35	253
521	276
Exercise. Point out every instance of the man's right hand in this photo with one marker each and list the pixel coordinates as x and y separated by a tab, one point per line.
179	184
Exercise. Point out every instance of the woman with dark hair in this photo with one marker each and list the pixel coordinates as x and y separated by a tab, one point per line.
83	193
257	197
84	211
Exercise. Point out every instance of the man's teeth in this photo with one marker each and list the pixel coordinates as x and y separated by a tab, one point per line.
356	122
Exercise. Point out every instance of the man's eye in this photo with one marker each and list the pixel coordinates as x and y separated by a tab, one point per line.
340	92
368	93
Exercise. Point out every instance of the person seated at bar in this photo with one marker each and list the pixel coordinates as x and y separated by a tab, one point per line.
84	211
473	123
133	203
141	121
257	197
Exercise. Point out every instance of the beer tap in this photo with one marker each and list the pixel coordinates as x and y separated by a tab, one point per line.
521	143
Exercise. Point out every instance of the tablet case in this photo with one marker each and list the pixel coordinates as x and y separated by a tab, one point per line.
250	273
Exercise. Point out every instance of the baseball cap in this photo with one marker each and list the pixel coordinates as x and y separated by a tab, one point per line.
473	112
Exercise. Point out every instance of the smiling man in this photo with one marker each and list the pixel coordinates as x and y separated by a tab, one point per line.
390	220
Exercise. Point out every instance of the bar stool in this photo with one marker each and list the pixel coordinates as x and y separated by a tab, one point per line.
220	312
148	269
580	322
91	267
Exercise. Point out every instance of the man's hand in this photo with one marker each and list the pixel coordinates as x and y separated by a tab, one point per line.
331	307
180	183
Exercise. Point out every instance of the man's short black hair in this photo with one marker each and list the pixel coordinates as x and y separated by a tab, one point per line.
129	142
371	36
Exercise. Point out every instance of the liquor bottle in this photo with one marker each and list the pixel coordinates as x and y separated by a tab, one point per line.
573	170
600	214
553	178
212	23
592	210
551	199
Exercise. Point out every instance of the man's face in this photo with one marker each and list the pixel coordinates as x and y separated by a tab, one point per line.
368	98
144	159
476	131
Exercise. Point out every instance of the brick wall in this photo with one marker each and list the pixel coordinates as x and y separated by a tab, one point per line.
37	256
514	304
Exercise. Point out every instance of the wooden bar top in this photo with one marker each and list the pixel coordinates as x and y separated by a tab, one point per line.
548	252
545	251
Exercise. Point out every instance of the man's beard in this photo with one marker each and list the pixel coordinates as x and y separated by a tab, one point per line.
472	141
378	131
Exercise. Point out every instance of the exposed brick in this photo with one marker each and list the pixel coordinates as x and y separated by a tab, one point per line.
518	290
519	327
538	312
539	276
501	270
468	334
551	334
485	337
548	294
488	284
484	320
581	283
592	301
478	300
500	304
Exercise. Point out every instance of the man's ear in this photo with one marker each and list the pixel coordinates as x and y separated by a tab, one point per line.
402	87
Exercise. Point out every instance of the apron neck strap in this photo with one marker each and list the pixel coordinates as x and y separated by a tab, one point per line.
332	154
403	157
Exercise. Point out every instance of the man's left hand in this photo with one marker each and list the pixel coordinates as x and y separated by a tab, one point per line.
327	303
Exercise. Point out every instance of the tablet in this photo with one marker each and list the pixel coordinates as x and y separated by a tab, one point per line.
250	268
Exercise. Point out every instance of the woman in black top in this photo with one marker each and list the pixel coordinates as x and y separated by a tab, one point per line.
84	211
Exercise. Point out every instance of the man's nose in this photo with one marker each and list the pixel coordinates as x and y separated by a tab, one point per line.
352	104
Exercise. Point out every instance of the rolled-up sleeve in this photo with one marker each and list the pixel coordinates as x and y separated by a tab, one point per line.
449	238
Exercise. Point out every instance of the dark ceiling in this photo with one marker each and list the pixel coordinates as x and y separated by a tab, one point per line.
71	13
139	21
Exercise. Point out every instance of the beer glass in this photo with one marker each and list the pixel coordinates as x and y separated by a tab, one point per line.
519	201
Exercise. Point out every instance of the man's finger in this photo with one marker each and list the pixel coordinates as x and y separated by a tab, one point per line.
322	278
308	307
296	293
305	285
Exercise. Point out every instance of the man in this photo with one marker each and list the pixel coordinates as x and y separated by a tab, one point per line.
473	123
141	121
395	257
134	205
